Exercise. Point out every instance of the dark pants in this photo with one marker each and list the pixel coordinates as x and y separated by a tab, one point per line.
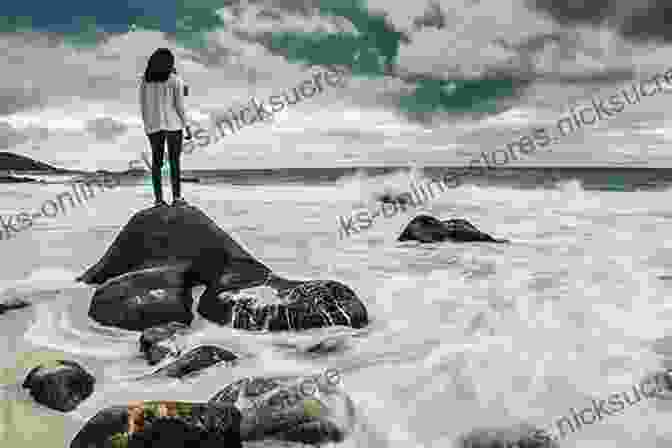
157	141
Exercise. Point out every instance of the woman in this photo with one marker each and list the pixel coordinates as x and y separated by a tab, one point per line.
162	105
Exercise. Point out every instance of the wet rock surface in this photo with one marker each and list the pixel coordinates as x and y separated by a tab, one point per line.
147	273
522	435
62	385
196	360
160	341
162	423
156	237
312	304
297	409
428	229
143	299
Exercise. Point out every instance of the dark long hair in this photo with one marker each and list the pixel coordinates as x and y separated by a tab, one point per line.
160	65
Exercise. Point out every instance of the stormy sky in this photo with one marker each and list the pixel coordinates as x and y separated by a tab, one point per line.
70	69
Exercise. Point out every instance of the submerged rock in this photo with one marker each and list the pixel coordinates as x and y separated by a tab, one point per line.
195	360
160	341
162	423
428	229
144	298
63	385
298	409
329	345
311	304
522	435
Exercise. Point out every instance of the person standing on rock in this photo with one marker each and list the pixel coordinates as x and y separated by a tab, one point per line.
164	117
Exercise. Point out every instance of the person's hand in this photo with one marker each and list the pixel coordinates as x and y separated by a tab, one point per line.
188	136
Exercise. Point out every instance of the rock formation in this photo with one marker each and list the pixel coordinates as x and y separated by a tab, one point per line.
521	435
311	304
428	229
280	408
162	423
147	274
61	386
165	236
144	298
148	271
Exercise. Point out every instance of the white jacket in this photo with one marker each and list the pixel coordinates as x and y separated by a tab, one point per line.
162	105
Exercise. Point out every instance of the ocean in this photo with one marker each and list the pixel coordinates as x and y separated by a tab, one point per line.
462	335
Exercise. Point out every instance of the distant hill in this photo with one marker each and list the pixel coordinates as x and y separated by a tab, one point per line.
15	162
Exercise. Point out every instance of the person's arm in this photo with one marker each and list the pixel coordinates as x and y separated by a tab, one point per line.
179	105
143	103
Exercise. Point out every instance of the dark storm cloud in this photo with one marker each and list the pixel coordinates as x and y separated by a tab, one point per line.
637	20
654	23
568	12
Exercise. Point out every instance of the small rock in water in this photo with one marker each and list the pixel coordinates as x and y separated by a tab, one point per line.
195	360
522	435
62	385
160	341
330	345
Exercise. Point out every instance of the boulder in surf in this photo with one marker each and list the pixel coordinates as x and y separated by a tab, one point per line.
521	435
164	236
162	423
293	408
144	298
61	385
428	229
147	273
311	304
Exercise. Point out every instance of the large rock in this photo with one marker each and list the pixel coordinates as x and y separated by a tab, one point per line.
160	236
163	424
311	304
162	252
298	409
144	298
428	229
148	271
62	385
